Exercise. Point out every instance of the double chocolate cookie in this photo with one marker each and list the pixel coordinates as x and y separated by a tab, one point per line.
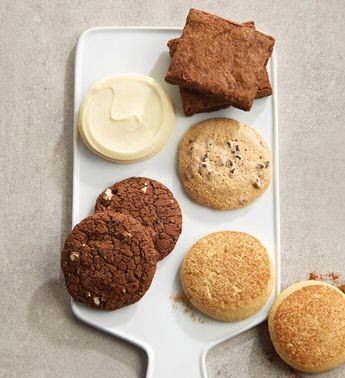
152	204
108	261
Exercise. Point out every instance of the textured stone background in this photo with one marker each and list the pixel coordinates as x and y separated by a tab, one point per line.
39	336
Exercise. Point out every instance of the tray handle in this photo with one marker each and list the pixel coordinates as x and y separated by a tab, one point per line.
176	361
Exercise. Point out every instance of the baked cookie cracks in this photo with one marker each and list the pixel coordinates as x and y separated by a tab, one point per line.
152	204
307	326
108	261
227	275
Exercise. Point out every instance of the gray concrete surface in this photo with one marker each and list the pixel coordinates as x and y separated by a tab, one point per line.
39	336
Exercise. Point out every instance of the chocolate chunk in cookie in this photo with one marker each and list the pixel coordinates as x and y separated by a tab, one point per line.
152	204
108	261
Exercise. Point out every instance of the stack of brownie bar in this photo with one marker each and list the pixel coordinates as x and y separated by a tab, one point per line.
219	63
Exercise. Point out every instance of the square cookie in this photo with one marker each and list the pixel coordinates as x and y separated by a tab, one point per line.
220	58
196	102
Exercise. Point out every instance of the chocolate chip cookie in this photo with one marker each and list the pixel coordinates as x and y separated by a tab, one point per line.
108	261
224	164
152	204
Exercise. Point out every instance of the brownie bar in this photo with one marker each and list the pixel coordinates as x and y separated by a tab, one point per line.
196	102
220	59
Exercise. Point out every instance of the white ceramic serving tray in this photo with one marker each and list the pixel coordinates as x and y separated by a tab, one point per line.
175	342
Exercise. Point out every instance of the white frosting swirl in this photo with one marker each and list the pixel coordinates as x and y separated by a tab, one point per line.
126	118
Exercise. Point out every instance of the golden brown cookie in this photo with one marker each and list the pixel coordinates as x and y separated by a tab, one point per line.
108	261
307	326
227	275
224	164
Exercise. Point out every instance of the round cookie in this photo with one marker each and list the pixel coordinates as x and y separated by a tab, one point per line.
108	261
224	164
126	118
307	326
151	203
227	275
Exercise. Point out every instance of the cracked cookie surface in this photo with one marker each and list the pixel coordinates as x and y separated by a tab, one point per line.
227	275
108	261
224	164
152	204
306	324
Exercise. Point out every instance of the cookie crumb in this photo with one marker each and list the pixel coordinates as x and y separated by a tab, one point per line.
329	277
187	307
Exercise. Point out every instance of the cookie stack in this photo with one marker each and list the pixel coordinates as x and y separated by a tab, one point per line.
219	63
109	259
